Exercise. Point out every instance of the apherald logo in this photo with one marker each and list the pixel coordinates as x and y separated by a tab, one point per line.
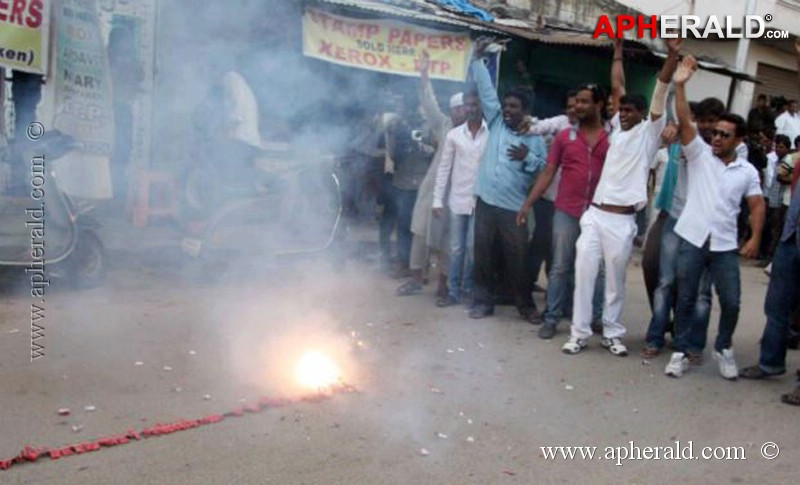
675	26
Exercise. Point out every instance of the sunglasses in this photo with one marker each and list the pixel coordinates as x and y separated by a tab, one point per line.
722	134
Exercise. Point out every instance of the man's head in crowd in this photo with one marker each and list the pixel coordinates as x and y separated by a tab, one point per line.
761	101
782	146
708	112
728	132
517	104
458	108
793	106
472	103
797	143
632	110
571	107
590	103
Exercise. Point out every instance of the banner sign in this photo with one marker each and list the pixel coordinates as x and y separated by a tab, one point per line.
23	35
384	45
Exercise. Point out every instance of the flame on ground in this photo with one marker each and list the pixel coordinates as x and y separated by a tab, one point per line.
316	371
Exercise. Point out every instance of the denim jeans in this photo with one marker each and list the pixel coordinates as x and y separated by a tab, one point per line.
404	201
664	294
561	280
462	244
782	297
723	267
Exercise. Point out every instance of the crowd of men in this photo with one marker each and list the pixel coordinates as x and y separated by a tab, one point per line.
460	190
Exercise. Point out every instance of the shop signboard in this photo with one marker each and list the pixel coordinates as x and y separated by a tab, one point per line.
24	35
385	45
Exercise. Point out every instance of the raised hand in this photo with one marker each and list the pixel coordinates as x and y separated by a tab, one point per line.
686	68
424	61
674	45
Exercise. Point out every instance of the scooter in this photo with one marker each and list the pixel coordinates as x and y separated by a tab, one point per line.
42	229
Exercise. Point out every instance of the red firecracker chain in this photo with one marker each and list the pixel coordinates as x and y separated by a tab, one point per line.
32	454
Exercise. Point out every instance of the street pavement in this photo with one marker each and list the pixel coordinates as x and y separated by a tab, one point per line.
439	398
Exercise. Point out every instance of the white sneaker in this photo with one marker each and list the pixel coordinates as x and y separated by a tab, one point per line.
573	345
727	364
678	364
615	346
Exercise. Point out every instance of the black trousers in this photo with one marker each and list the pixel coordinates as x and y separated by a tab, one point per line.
540	248
497	235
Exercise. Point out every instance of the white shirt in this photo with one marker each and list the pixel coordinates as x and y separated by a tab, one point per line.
789	125
459	164
624	178
241	110
715	192
769	171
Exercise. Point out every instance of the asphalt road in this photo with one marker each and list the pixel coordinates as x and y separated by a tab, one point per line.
440	398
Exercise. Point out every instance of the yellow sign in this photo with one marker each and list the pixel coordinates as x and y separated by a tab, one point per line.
23	35
385	46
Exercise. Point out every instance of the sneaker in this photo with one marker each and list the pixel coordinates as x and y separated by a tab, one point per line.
615	346
678	364
547	331
573	345
727	364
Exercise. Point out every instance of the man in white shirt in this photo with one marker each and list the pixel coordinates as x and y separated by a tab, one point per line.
463	149
717	181
608	227
789	122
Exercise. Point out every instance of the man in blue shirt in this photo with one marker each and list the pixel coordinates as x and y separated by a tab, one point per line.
504	177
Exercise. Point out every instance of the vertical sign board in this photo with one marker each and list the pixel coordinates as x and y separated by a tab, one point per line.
24	35
78	98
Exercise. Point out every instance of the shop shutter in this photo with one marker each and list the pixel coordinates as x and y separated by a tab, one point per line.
776	82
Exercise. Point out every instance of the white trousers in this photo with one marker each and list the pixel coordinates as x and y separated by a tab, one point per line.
608	236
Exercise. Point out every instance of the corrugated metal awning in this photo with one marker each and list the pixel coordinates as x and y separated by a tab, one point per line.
551	31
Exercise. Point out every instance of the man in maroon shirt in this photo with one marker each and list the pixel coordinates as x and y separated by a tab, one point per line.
580	153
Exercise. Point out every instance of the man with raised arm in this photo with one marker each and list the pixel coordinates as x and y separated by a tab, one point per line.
506	170
717	181
608	227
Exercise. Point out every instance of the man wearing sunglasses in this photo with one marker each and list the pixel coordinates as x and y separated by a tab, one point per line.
718	179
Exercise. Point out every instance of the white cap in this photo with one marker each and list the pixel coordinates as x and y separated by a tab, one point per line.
457	100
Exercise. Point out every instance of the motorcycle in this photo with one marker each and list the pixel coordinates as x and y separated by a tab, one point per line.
41	227
270	208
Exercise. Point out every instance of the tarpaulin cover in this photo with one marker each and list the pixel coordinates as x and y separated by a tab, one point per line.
466	7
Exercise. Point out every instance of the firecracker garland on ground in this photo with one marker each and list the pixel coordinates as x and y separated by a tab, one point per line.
32	454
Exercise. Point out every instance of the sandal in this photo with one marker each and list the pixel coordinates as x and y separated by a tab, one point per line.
650	352
756	372
615	346
409	288
792	398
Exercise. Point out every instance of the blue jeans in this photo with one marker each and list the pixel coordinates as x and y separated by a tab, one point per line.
782	297
404	201
664	294
561	280
723	267
462	245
